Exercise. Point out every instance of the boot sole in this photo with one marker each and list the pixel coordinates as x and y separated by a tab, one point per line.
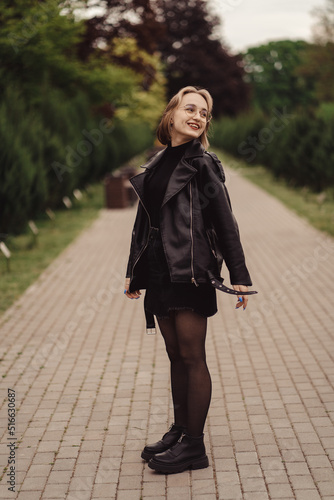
146	455
195	463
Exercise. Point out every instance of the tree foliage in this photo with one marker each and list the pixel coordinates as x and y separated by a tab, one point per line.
56	129
194	55
40	46
272	70
297	147
318	62
183	33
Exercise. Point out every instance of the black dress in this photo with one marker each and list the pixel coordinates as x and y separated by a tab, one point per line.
161	294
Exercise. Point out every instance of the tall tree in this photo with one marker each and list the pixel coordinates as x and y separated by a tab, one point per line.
194	55
272	71
318	62
117	20
184	33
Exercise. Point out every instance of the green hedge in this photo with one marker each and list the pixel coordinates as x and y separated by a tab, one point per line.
51	147
299	147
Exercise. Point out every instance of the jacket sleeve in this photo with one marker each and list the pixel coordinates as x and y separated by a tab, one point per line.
128	267
217	213
130	259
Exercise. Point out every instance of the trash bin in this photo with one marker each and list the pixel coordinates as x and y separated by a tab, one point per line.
127	173
116	192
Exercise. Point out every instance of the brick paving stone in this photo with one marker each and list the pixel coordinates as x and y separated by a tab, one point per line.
207	473
55	490
229	491
33	483
176	479
250	471
26	495
276	476
203	487
103	391
323	474
153	489
307	495
244	446
206	496
129	483
318	461
104	491
178	492
246	457
225	464
280	491
228	477
297	468
261	495
265	438
128	495
39	470
160	497
326	488
302	482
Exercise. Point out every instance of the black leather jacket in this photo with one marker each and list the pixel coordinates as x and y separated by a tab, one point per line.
198	228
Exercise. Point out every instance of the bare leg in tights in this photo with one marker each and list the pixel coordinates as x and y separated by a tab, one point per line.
184	334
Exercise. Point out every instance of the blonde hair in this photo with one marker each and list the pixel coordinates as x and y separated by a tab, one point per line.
164	127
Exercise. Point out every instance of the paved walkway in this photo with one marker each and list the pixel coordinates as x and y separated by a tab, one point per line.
92	388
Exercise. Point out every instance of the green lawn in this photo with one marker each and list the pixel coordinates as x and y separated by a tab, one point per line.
30	258
317	209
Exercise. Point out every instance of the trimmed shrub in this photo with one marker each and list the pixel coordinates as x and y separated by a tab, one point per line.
299	148
22	176
53	147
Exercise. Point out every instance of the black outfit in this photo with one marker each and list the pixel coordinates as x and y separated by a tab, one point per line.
161	294
156	183
197	231
184	225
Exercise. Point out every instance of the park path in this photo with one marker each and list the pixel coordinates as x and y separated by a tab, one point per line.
91	388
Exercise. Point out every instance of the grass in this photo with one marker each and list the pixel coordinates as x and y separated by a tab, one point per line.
317	209
29	258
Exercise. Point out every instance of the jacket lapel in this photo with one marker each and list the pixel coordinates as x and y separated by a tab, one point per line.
183	171
138	180
181	175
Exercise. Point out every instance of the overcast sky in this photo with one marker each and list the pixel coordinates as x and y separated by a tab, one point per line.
247	23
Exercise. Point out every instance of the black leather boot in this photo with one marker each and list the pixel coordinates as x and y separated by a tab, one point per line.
187	453
171	437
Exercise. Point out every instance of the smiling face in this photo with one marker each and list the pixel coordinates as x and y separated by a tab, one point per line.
186	127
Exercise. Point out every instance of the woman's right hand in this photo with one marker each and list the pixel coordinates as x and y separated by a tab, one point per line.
133	295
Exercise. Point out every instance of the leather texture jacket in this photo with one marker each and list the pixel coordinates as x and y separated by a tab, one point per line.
197	225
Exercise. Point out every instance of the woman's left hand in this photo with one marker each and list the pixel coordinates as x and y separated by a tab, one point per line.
242	299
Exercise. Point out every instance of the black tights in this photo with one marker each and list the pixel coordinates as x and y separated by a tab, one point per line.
184	333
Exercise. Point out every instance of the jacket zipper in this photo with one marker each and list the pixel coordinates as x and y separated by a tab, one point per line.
148	236
191	236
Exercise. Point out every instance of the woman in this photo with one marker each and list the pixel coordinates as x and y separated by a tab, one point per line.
183	230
